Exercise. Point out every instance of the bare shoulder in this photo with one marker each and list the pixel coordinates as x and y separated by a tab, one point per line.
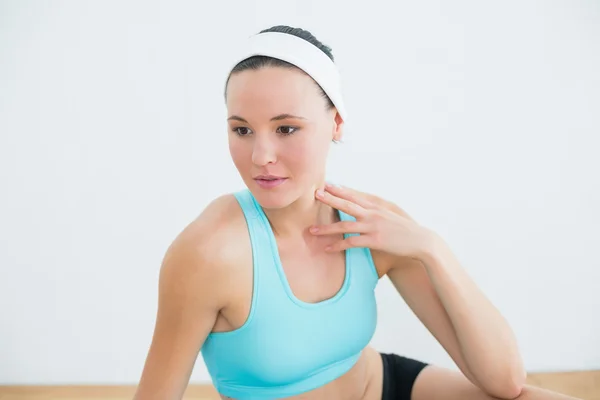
193	288
208	242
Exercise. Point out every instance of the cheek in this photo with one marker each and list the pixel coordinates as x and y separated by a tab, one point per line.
308	154
238	152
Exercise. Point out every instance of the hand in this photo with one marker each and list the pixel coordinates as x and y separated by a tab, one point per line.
380	228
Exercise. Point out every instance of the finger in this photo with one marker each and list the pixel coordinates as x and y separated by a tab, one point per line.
366	200
360	198
344	205
349	242
338	227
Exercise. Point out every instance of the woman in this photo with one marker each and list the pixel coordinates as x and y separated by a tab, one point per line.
275	283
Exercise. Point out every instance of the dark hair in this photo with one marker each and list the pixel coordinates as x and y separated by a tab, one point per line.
258	62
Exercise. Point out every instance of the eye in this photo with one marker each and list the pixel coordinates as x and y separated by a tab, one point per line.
241	131
286	130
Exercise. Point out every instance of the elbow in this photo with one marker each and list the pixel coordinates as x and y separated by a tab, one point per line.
510	387
517	380
518	383
512	391
508	391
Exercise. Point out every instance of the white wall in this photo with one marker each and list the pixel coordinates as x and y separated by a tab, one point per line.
481	120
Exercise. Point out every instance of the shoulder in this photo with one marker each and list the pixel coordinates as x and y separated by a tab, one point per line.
206	252
216	227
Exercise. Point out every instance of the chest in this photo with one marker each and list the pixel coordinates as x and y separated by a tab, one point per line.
312	274
313	309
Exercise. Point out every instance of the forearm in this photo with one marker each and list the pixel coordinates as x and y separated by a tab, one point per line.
487	342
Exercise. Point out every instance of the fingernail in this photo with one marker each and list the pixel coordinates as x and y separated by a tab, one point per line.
320	193
328	248
314	229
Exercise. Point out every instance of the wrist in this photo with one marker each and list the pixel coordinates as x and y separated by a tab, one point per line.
432	249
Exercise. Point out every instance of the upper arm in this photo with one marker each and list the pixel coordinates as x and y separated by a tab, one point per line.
411	280
190	297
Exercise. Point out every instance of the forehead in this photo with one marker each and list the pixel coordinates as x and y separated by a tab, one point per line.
272	89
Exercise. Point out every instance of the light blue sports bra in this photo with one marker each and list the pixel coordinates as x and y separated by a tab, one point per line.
287	346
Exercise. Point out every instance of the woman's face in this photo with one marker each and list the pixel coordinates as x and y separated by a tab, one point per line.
279	128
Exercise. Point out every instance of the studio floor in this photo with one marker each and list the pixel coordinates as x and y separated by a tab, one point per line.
583	384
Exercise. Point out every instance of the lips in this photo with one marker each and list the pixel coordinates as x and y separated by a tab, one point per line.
269	181
268	177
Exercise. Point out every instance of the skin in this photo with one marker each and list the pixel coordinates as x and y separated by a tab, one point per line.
206	278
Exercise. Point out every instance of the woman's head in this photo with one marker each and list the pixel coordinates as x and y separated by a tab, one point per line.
281	121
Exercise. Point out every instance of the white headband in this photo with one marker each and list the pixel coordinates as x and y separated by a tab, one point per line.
303	55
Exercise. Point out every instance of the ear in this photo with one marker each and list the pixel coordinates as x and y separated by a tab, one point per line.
338	127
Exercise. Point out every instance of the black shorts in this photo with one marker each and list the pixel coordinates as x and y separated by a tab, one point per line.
399	375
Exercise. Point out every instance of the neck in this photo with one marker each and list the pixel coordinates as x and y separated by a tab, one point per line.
295	219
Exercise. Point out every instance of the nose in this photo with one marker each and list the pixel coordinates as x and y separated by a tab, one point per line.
264	151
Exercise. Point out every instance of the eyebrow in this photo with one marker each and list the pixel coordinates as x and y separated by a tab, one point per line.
275	118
